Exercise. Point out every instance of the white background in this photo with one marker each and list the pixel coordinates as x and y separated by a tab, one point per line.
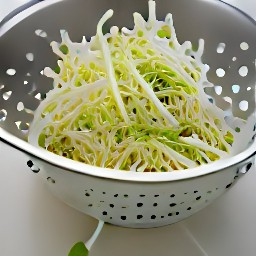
34	223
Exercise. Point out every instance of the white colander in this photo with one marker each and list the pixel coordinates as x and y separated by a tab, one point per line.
125	198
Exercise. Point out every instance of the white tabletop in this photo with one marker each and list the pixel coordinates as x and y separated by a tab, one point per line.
34	223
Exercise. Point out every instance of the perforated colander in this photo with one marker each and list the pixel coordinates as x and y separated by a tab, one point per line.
117	197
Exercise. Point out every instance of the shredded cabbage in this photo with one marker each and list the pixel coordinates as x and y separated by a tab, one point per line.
131	100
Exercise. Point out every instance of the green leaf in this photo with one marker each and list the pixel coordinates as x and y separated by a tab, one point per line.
79	249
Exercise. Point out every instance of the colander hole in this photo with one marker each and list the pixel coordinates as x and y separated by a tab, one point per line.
51	180
172	204
235	88
91	189
198	198
218	89
116	195
154	204
87	194
139	216
104	213
228	99
142	195
42	72
220	72
30	56
123	217
104	193
33	167
229	185
172	195
112	205
156	195
234	58
20	106
244	46
29	163
11	72
39	96
248	88
22	126
243	105
139	204
243	71
90	205
248	167
207	68
1	86
177	213
28	74
196	191
25	82
125	195
209	192
162	217
221	47
153	217
245	169
41	33
189	208
7	95
170	214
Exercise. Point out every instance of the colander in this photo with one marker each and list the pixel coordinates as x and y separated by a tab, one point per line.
138	200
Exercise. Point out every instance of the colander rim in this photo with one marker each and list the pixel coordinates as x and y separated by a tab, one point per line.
43	4
85	169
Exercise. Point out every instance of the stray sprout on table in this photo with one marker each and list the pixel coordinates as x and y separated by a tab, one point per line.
81	248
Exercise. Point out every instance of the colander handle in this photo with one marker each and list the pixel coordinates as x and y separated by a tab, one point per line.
18	10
